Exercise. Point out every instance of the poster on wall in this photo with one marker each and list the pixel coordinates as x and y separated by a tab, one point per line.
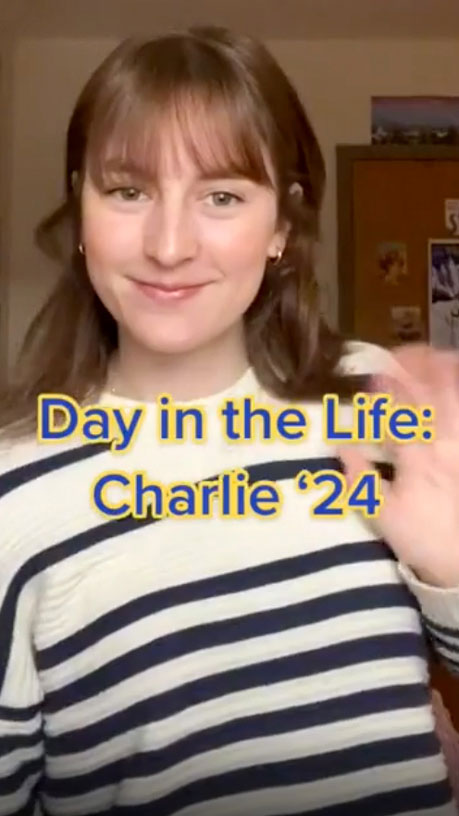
406	324
452	215
392	262
415	120
443	261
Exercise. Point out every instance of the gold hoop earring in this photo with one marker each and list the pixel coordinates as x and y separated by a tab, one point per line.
81	249
277	259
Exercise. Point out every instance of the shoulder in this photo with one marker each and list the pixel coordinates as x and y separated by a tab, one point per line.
45	501
22	452
31	471
19	452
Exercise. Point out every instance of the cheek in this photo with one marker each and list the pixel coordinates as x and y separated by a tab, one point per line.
108	246
109	238
243	246
109	250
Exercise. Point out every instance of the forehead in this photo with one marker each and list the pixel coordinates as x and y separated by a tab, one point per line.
193	139
174	162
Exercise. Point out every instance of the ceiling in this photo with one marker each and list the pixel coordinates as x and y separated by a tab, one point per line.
265	18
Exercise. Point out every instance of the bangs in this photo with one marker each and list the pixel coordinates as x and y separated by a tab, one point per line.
218	128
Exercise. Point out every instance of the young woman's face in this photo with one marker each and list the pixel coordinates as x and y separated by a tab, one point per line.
177	263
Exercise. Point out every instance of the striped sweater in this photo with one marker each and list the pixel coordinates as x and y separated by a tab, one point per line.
210	667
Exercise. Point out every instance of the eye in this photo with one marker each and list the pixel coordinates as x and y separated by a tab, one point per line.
126	193
221	198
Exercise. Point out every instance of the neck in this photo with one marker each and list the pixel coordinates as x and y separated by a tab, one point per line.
142	375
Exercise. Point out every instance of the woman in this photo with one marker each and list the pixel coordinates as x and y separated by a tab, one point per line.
213	665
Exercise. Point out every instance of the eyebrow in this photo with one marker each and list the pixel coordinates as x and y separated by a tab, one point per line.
128	168
213	175
131	168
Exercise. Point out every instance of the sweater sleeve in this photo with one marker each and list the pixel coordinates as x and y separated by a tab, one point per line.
440	611
21	742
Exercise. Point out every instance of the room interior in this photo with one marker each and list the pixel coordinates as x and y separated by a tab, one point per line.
339	53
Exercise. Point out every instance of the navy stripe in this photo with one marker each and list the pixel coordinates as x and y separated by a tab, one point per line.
89	538
264	673
452	667
242	580
441	643
15	781
281	469
395	803
293	772
218	633
438	630
30	809
19	714
297	718
453	664
33	470
16	742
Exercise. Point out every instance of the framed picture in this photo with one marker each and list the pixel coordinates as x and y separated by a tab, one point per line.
406	324
415	120
443	260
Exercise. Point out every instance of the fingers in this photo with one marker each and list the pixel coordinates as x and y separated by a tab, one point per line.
426	377
354	462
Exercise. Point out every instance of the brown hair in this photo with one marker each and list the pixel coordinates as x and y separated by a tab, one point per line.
234	89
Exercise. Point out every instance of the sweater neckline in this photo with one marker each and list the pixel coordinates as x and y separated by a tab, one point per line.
246	385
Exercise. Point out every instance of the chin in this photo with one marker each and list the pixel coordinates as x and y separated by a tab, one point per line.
172	343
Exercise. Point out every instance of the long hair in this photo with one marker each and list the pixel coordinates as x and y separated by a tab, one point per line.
235	107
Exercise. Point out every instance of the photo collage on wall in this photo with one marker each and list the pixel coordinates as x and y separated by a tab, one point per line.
442	281
421	120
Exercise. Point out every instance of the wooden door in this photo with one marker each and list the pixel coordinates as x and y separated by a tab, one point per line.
391	203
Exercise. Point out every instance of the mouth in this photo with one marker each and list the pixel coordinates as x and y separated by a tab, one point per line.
163	293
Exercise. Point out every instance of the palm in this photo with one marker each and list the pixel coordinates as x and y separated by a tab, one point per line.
419	518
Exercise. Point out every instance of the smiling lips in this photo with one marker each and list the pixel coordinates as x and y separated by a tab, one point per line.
168	293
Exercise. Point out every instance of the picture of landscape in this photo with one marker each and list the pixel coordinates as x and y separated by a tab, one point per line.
412	120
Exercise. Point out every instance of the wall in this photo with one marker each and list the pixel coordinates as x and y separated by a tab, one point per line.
335	78
6	100
47	77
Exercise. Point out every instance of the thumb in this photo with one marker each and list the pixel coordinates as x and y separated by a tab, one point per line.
355	465
354	462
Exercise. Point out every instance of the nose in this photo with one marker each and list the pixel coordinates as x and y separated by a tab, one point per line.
170	236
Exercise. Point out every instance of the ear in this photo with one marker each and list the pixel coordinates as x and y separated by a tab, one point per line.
277	244
76	182
296	190
279	240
